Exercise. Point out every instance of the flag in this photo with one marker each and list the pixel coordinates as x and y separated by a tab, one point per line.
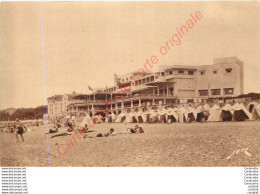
90	88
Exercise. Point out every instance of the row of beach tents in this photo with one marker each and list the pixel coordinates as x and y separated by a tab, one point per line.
227	112
237	112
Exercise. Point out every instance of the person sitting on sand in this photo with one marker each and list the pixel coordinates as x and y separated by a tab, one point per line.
139	129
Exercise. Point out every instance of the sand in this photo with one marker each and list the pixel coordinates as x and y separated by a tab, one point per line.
178	144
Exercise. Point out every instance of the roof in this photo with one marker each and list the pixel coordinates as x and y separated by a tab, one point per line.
168	68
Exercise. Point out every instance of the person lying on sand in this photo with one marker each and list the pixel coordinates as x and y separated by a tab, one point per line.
84	130
110	133
136	129
62	134
53	131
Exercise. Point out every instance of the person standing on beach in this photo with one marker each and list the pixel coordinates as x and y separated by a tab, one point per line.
73	118
21	129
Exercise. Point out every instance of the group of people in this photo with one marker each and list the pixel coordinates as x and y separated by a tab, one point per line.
136	129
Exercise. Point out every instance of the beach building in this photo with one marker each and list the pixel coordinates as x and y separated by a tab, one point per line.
170	85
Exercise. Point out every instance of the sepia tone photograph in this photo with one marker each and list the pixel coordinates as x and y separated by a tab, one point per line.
130	84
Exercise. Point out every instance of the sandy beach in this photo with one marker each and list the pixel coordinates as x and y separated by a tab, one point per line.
180	144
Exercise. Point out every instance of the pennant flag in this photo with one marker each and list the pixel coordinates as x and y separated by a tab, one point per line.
90	88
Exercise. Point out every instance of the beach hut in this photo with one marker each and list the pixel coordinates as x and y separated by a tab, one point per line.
227	112
206	107
215	113
250	106
202	113
172	114
181	114
190	114
241	113
256	112
119	118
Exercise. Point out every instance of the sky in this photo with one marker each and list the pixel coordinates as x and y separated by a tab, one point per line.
85	43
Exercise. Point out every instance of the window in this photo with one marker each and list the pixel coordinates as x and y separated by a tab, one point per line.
180	71
190	72
202	72
136	82
170	73
215	91
148	79
203	92
228	70
228	91
161	92
143	80
140	81
171	91
152	78
162	73
215	71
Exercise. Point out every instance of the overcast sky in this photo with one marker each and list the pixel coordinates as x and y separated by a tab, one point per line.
87	42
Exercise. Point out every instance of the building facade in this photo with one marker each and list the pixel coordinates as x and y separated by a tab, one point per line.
58	104
170	85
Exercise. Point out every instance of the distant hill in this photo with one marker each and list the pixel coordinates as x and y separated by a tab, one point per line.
23	113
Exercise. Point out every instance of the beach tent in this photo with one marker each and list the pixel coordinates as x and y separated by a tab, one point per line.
227	112
250	106
227	107
206	107
214	107
235	106
241	113
113	117
181	114
215	114
202	113
174	112
226	115
190	114
119	118
198	109
256	112
144	117
172	115
153	116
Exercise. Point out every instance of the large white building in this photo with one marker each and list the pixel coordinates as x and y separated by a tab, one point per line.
58	104
170	85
